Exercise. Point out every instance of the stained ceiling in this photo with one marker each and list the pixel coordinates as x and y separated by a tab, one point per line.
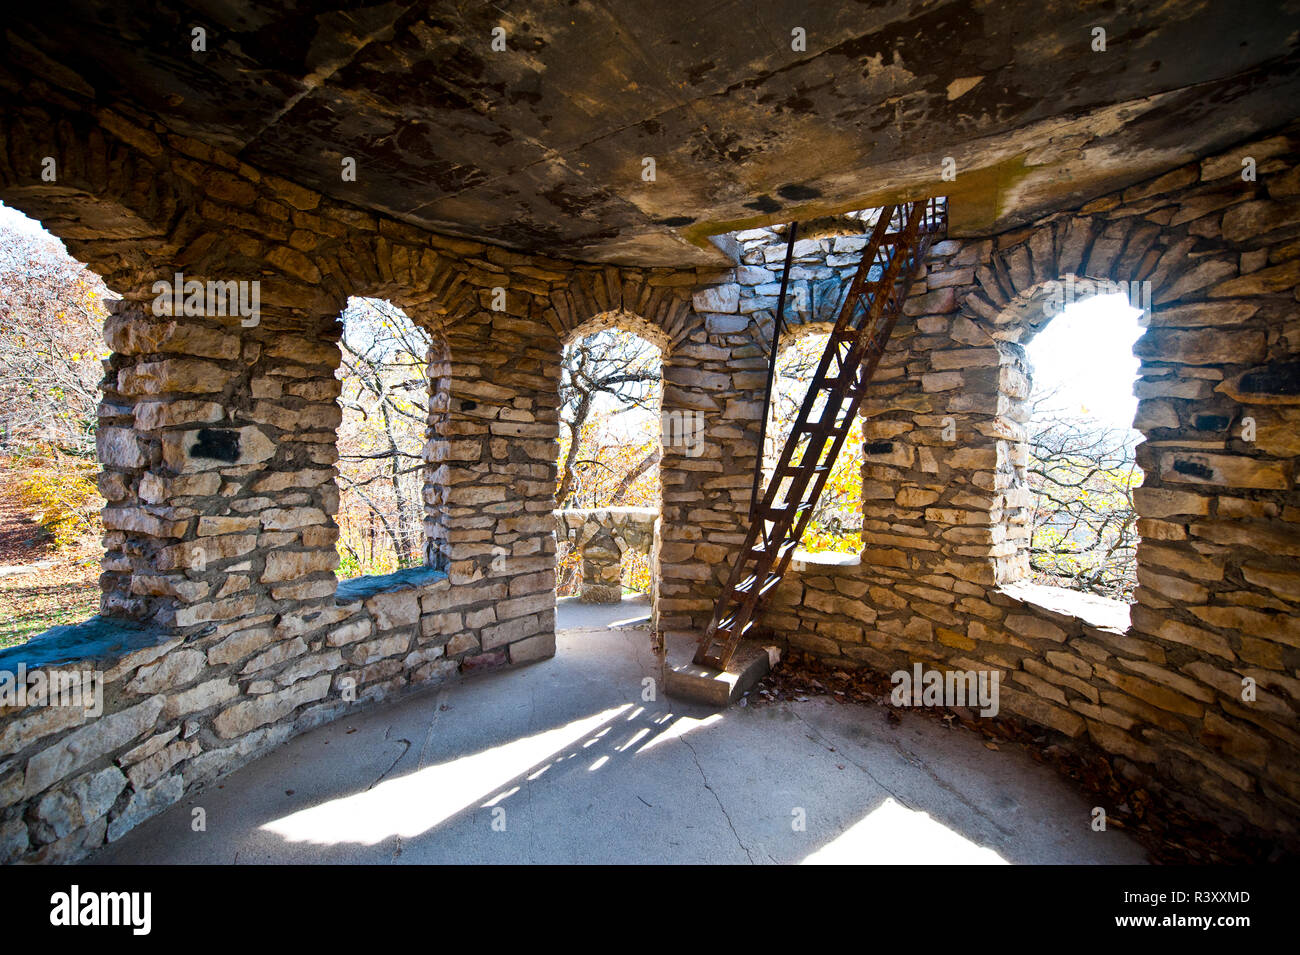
543	146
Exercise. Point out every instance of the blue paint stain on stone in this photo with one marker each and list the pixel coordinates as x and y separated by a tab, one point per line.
98	640
363	588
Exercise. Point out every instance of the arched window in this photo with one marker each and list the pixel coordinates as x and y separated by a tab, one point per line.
384	399
611	392
1081	466
836	524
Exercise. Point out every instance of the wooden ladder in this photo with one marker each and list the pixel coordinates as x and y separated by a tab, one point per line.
898	244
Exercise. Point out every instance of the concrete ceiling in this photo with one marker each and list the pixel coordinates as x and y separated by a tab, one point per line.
541	147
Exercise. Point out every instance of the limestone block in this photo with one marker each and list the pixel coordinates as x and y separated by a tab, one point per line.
91	742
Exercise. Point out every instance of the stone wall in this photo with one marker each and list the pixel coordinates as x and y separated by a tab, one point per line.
223	629
945	509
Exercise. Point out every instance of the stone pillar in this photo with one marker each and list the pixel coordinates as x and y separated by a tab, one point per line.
438	374
492	457
218	449
602	569
713	407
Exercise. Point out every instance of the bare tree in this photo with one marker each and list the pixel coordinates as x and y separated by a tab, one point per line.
385	419
1083	474
836	522
616	371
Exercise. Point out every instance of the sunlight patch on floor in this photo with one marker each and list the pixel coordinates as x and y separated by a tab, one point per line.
414	804
892	833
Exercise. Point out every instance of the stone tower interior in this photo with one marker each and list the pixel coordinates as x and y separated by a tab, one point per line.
518	175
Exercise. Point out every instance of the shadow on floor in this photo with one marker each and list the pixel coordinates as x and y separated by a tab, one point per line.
578	759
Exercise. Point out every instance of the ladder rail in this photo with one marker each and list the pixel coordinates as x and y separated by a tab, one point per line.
758	521
855	290
879	302
777	321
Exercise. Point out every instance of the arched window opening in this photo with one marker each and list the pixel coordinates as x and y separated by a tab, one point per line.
1081	442
836	523
51	349
381	439
611	392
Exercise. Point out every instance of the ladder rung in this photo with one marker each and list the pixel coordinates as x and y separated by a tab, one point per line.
762	547
746	586
722	635
726	627
778	513
823	427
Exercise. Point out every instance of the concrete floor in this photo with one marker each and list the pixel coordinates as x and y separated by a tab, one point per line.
563	761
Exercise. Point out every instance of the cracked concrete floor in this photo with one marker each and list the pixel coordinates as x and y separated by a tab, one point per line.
563	761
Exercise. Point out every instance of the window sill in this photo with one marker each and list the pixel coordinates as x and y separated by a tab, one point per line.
1100	612
363	588
804	560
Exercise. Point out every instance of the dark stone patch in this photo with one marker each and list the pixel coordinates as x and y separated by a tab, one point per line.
799	104
878	447
697	73
796	192
532	97
531	44
1280	379
216	445
565	198
677	220
1211	422
733	148
484	661
1194	469
764	203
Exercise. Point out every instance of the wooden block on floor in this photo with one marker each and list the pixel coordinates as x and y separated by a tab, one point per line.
685	680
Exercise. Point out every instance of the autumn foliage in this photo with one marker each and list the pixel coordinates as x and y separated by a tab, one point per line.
51	348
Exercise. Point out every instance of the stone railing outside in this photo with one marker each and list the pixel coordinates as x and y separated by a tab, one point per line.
602	536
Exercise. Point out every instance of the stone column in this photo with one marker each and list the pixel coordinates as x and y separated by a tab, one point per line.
602	569
492	457
218	449
437	549
713	405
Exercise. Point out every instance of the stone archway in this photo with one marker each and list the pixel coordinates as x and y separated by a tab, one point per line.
603	535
